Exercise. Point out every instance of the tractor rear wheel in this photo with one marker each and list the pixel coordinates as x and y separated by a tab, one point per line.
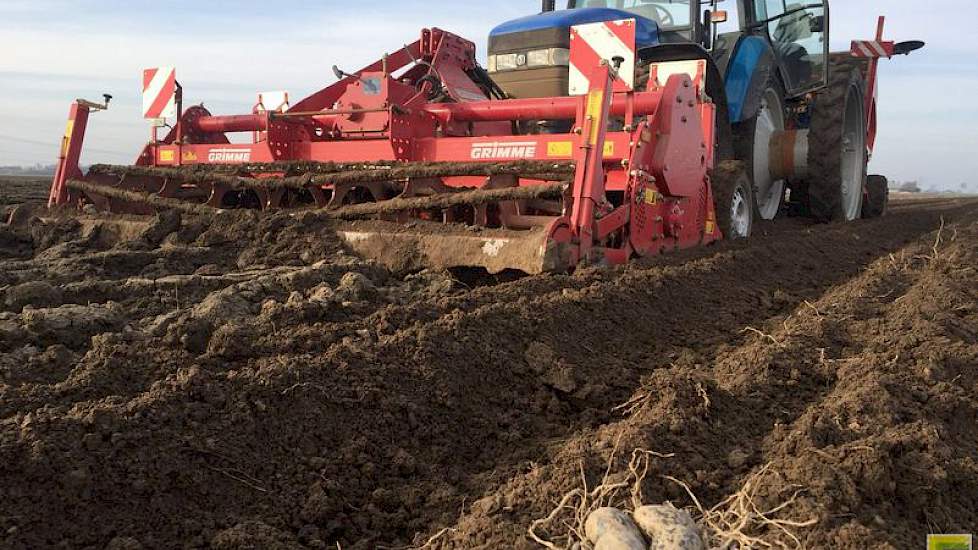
752	142
837	153
733	195
877	196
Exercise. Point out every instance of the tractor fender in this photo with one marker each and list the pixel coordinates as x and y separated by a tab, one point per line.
748	72
714	86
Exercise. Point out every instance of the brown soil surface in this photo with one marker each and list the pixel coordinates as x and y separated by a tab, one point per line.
242	382
23	189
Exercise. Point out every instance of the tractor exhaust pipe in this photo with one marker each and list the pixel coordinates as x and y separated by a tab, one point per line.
549	5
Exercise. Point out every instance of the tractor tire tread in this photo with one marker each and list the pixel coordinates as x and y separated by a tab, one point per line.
824	190
744	133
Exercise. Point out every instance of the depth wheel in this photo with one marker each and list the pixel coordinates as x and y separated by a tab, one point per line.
877	196
733	196
837	144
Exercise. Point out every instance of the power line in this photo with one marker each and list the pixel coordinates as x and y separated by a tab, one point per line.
55	146
22	140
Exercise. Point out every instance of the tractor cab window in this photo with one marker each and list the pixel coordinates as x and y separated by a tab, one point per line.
799	33
668	14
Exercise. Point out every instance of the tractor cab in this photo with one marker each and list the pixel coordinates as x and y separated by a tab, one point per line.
676	21
529	57
795	35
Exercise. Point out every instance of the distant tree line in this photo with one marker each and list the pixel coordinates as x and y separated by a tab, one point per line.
907	186
914	186
36	170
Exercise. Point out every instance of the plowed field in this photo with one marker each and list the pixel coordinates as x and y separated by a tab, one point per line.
242	382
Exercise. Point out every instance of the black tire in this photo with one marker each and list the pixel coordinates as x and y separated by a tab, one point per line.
877	196
643	71
826	151
745	145
732	189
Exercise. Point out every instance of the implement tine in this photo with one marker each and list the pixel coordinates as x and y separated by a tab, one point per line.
349	173
357	211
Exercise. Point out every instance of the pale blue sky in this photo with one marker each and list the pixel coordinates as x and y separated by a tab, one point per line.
225	52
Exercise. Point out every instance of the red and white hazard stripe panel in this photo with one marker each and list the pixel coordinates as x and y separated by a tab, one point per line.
596	42
160	93
872	48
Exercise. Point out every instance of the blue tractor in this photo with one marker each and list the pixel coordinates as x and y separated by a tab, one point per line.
794	113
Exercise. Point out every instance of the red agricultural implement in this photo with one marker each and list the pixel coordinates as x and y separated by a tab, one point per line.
430	145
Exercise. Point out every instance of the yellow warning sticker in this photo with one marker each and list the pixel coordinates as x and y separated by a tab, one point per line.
166	155
566	149
69	129
711	223
560	149
651	196
189	156
595	102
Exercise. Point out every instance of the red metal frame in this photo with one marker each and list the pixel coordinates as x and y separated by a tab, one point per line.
883	48
641	189
70	153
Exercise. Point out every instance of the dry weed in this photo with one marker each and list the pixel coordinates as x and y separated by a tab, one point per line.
645	397
764	335
737	522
